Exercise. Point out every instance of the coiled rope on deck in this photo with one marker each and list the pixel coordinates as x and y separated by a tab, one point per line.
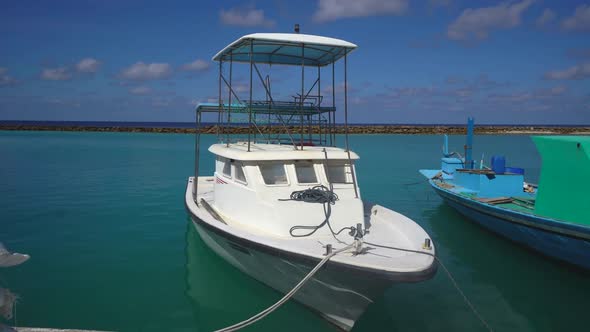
287	296
317	194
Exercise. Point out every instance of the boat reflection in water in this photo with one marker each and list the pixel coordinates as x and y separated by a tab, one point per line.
504	281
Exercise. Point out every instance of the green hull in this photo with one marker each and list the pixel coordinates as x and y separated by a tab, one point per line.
565	178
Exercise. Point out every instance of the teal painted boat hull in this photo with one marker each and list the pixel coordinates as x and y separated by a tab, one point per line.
560	240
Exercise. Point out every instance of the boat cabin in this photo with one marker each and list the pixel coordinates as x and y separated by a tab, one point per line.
256	185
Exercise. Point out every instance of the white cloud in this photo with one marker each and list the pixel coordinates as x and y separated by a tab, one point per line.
141	71
210	99
463	92
64	73
160	102
197	65
558	90
241	87
578	72
454	80
5	79
56	74
63	102
331	10
413	92
88	65
551	92
476	24
245	17
547	17
539	95
511	98
140	90
579	21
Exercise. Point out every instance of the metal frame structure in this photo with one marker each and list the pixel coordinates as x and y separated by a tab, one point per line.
278	121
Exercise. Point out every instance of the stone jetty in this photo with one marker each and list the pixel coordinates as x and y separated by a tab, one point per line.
352	129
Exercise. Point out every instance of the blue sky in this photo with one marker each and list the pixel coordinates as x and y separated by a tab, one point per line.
436	61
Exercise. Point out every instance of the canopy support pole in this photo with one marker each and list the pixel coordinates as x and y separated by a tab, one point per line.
320	105
230	91
301	97
333	114
197	156
352	172
250	102
220	109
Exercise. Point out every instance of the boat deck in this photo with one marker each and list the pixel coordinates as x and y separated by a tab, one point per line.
383	226
522	204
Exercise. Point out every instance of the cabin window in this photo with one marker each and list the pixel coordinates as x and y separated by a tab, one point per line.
339	173
305	173
273	174
239	173
227	168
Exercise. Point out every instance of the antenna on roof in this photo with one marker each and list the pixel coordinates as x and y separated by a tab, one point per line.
297	28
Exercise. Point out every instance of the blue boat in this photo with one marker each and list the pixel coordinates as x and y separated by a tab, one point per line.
552	217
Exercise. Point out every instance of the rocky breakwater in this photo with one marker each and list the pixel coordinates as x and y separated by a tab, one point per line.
352	129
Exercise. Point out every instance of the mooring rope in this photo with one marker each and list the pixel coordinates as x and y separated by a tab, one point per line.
317	194
322	194
287	296
453	281
293	291
437	176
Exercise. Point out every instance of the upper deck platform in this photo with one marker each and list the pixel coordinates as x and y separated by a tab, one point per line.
264	107
268	152
286	49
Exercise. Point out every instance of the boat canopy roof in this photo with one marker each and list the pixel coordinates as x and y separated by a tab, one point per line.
275	152
286	49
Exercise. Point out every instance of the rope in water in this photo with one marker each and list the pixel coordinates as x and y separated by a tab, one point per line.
285	298
321	194
465	298
437	176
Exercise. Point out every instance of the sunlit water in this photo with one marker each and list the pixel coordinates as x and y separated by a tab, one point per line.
102	216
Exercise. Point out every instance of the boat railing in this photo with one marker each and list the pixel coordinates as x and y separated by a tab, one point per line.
314	100
273	120
267	107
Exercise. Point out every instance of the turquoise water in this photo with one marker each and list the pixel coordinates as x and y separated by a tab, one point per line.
102	216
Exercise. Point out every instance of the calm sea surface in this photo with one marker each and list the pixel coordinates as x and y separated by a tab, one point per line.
102	216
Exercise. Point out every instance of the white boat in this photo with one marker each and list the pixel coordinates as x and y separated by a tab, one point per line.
244	213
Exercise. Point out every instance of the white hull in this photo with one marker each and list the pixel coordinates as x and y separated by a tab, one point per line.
342	289
338	297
